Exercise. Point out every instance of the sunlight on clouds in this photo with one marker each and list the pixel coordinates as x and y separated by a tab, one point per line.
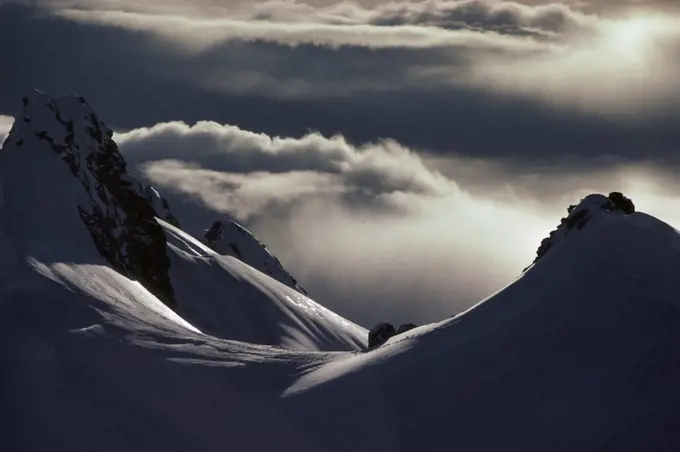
241	195
443	248
426	263
626	67
653	195
565	58
633	37
412	232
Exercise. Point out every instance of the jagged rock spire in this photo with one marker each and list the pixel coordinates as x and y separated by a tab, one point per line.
117	209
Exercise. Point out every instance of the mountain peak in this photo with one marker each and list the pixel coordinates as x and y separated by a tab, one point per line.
117	209
578	215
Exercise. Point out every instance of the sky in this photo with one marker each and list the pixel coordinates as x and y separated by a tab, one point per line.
403	159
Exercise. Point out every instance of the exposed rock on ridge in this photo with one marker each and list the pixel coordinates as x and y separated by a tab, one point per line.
119	212
580	214
382	332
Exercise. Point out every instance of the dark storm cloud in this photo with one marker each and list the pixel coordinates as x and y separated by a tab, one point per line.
135	79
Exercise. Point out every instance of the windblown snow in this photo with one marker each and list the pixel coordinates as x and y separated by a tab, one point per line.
579	353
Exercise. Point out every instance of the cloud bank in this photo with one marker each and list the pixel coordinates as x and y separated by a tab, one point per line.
370	229
548	52
580	84
379	231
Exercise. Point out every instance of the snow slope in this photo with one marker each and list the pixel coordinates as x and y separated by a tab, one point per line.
580	353
227	298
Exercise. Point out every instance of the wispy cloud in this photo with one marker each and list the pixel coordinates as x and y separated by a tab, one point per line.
200	34
504	16
375	169
241	195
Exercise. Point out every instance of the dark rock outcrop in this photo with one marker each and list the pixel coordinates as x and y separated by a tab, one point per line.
379	334
161	206
578	216
624	204
213	234
117	209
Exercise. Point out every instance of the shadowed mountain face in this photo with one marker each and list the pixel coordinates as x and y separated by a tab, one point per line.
116	208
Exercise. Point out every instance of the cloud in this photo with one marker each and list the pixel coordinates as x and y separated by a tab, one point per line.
473	99
241	195
375	231
306	164
624	67
199	34
505	17
630	66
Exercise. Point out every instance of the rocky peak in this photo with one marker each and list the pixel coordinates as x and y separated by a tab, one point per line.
227	237
117	209
578	216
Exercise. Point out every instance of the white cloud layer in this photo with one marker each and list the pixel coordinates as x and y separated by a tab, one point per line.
377	169
620	67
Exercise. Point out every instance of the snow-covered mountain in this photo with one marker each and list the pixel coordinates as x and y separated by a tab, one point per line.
69	201
580	353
